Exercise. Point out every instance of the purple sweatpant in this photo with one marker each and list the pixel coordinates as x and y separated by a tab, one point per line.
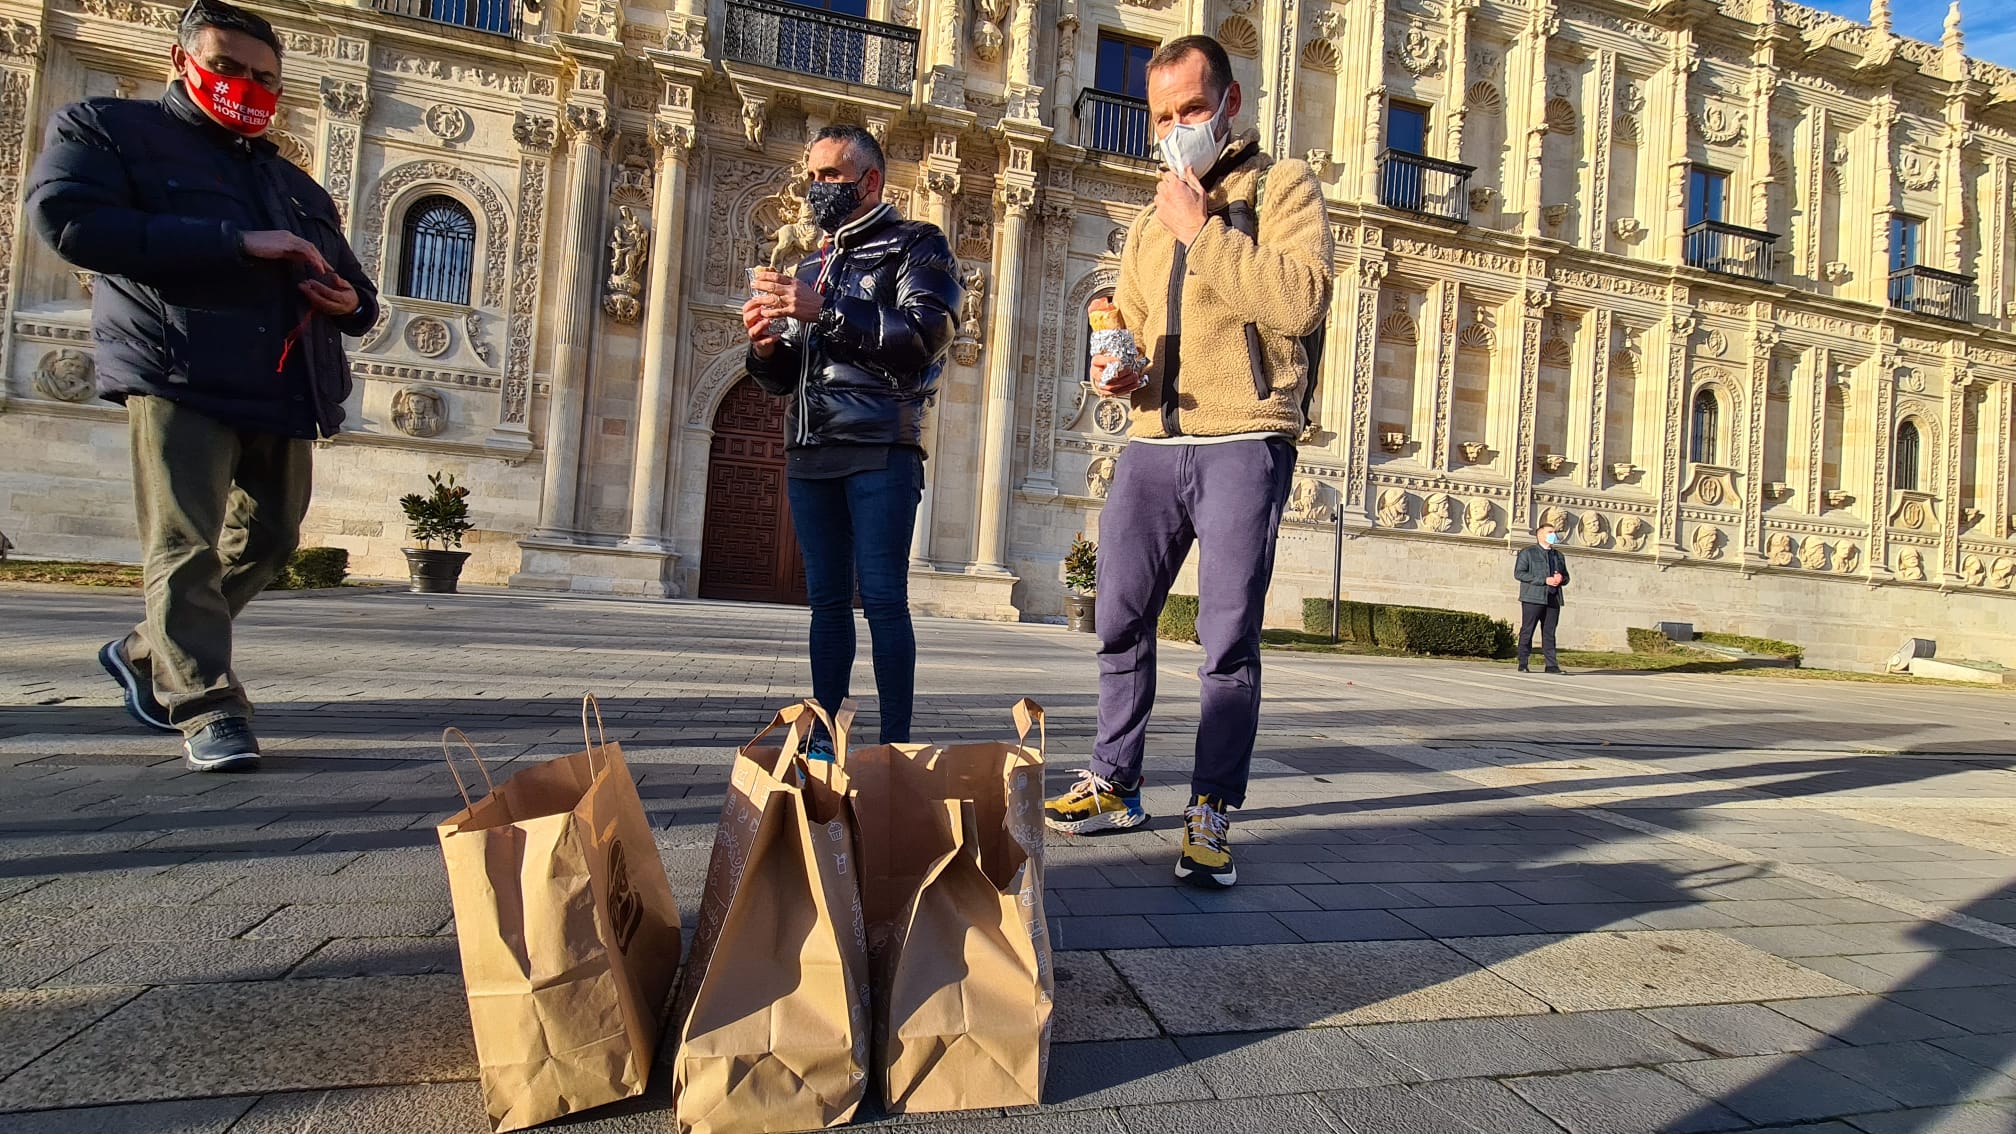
1227	498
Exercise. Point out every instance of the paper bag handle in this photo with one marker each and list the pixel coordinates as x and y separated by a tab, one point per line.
600	739
798	733
448	735
1029	714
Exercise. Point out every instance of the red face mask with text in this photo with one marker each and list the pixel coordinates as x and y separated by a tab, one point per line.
238	104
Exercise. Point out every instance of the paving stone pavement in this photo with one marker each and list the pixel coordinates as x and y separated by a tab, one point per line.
1469	900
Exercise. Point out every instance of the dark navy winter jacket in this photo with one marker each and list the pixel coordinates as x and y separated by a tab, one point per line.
867	370
154	197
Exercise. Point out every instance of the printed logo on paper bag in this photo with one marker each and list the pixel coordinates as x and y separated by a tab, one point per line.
626	907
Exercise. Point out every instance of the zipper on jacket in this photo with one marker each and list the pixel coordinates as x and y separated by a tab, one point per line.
1172	362
805	348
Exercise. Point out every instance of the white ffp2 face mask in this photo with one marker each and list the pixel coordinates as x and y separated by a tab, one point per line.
1194	146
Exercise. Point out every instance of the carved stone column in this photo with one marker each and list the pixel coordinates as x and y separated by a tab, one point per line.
1959	391
345	102
1816	431
990	554
587	129
1533	313
1763	178
650	470
535	133
1064	92
23	55
1602	157
1281	83
1680	326
1363	362
1998	410
1590	475
1445	298
1526	107
1883	428
1763	341
1883	204
1996	296
1059	211
1677	96
941	190
1813	194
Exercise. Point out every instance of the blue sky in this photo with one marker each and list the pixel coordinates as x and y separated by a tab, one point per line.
1990	24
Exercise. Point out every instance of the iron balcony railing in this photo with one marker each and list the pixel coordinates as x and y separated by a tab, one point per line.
1929	291
1730	250
1425	185
813	41
1114	123
496	16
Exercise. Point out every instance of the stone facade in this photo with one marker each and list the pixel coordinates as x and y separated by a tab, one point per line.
1524	324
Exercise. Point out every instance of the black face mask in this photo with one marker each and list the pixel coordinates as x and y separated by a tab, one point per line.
832	202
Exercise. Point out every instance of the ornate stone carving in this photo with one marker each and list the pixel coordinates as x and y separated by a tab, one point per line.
472	333
66	376
2003	577
1627	229
1110	417
1780	550
1480	519
1720	126
1973	572
988	36
525	297
1813	554
1592	530
972	305
1484	98
429	337
20	40
1438	514
1911	565
1847	556
345	99
1099	478
1918	170
1474	452
629	245
1395	507
1238	36
1306	504
1708	541
447	122
419	412
535	132
1632	533
1418	49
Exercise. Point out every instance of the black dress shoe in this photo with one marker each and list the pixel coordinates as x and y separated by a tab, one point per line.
1552	669
1523	669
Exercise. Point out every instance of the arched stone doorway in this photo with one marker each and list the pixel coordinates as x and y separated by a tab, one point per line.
748	551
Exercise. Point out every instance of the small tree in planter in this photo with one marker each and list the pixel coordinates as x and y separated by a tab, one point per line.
441	516
1081	574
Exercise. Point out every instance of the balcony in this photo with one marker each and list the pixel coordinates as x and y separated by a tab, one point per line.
1425	185
1114	124
1929	291
1730	250
494	16
828	45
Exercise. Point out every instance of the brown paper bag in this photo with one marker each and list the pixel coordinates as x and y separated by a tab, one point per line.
568	931
777	1035
952	877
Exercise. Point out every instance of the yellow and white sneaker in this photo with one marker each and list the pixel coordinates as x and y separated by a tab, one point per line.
1207	846
1095	803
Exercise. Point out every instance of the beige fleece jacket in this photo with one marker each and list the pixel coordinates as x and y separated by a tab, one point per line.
1279	286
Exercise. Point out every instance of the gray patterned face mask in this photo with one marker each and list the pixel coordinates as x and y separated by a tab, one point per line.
1193	146
832	202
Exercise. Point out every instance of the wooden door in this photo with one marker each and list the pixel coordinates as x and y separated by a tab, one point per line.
748	550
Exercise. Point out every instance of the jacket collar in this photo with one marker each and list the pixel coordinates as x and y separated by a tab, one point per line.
181	106
857	230
1239	149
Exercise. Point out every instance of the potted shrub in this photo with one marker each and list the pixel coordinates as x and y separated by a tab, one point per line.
441	516
1081	574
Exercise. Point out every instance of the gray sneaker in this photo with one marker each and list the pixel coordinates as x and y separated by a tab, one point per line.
224	746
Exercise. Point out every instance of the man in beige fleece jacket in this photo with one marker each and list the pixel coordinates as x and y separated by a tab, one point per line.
1222	279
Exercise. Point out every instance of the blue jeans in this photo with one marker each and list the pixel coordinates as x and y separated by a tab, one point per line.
858	527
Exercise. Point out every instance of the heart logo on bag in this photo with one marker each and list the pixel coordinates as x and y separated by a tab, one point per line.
626	907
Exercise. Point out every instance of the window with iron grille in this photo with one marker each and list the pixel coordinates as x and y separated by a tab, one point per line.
1707	423
438	251
1906	474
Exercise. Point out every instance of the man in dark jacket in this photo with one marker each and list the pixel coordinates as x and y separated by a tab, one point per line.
225	284
856	340
1542	571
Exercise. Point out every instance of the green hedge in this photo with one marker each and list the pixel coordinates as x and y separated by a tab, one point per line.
313	568
1179	619
1765	647
1416	629
1644	641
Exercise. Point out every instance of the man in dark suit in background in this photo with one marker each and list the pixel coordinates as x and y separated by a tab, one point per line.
1542	571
